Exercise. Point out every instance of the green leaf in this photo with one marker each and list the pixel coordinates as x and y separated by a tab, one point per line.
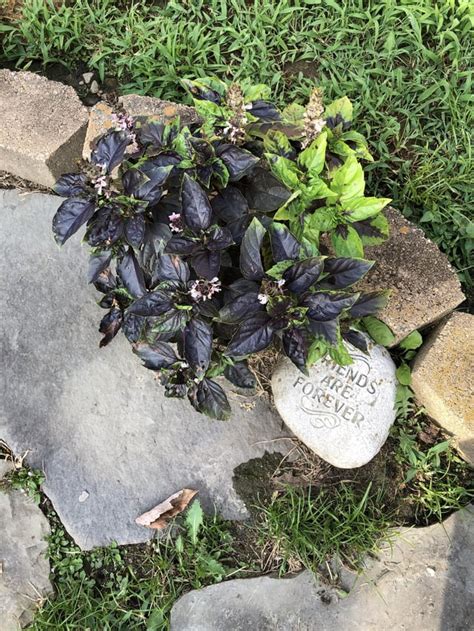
317	350
257	92
348	245
375	231
314	156
378	331
285	170
365	207
316	189
291	208
348	180
194	520
404	374
412	341
209	110
277	270
340	355
323	219
361	149
340	106
293	113
277	143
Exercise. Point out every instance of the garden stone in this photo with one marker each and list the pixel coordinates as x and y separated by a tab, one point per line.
24	568
342	413
425	583
111	444
424	286
100	117
44	125
442	379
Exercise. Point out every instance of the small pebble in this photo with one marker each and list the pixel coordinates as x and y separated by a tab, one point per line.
87	76
94	87
83	496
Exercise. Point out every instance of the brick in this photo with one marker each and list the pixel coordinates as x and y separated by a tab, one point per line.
424	286
44	125
442	379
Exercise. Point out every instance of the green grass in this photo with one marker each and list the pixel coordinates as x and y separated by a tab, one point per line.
132	587
313	526
407	65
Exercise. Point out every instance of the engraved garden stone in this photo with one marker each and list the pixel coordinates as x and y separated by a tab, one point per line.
342	413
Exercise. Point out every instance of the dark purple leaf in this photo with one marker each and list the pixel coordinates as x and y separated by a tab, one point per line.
239	308
110	149
171	322
326	330
155	239
357	339
146	182
264	192
105	281
106	228
343	272
365	228
181	245
155	356
302	275
110	325
154	303
132	327
296	344
197	343
325	306
284	245
135	230
70	184
131	274
250	258
264	110
218	238
169	267
70	216
151	134
206	263
230	205
239	162
197	211
253	335
97	264
210	399
242	286
369	304
240	375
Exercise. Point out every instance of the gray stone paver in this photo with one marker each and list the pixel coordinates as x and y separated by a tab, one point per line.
24	575
426	583
93	419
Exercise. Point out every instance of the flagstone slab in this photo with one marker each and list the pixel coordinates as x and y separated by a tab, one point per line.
24	568
424	583
43	127
110	444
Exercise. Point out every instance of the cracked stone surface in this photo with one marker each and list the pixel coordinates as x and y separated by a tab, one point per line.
111	445
426	583
24	575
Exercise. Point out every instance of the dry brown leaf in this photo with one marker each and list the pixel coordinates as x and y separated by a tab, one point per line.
159	516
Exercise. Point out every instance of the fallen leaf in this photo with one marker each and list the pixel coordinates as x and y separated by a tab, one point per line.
159	516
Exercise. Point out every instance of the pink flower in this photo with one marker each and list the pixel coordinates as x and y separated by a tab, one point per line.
204	289
176	222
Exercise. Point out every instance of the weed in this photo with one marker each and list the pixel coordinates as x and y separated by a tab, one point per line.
132	587
28	480
312	527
